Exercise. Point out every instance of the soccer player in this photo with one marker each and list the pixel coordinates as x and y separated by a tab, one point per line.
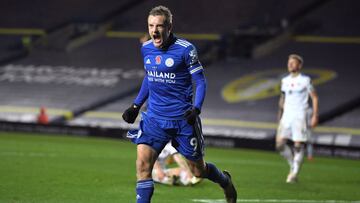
293	112
171	64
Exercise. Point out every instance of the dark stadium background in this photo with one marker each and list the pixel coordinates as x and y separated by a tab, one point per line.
80	60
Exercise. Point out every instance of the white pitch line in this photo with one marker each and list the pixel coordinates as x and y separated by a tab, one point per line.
276	200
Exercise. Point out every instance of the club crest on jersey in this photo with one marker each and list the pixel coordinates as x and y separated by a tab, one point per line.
158	59
169	62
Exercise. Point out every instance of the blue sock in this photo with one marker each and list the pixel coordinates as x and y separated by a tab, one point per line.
215	175
144	191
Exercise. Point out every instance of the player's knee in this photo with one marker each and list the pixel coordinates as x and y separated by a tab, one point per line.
142	165
198	171
280	146
199	174
143	169
298	147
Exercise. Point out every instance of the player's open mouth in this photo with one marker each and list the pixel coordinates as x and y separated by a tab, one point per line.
157	38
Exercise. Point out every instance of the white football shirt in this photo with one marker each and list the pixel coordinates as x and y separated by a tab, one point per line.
296	90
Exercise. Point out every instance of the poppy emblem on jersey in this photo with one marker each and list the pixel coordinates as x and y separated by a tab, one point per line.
169	62
158	59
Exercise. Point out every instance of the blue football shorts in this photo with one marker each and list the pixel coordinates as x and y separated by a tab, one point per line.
186	139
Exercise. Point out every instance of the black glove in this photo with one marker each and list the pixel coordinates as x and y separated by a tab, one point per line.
191	115
131	113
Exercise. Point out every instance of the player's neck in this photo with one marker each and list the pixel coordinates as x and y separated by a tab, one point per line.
167	42
294	74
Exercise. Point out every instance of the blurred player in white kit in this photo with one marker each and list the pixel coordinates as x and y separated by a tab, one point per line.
294	123
177	174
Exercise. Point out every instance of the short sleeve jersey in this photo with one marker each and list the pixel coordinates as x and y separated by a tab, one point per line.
296	90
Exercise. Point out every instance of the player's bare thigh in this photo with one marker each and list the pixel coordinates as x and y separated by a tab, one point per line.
281	137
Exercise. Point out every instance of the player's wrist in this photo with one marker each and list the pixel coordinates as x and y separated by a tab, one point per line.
197	110
135	106
192	114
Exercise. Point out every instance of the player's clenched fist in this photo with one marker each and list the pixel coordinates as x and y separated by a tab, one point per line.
131	113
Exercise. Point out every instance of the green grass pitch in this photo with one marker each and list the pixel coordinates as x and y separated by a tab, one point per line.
40	168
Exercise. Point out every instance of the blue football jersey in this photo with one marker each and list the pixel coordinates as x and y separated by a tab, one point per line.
168	73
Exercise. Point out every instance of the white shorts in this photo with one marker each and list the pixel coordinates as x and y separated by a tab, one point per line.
295	128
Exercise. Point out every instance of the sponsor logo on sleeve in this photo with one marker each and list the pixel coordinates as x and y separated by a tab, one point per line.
193	56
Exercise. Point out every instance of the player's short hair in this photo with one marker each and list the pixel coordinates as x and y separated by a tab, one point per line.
297	57
162	11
